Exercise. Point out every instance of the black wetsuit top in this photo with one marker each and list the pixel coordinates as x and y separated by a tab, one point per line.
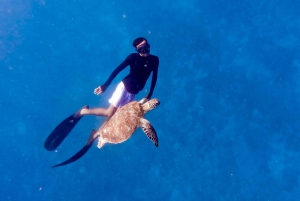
140	70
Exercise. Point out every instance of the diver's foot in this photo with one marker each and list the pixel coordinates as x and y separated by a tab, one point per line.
80	112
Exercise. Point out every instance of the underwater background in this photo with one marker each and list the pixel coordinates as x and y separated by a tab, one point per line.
228	82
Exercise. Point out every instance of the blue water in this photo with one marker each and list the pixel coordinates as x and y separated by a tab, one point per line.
228	123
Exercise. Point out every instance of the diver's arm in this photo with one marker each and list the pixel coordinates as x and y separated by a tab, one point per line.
121	67
153	81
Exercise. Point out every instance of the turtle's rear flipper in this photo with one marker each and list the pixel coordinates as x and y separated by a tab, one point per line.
81	152
62	130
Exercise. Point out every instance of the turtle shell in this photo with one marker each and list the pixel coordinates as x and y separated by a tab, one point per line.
122	124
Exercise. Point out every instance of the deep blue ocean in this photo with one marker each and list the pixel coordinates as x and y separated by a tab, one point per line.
228	82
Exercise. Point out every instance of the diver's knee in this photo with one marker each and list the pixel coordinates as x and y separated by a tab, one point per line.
111	111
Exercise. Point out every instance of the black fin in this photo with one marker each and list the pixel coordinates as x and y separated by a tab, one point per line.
60	132
81	152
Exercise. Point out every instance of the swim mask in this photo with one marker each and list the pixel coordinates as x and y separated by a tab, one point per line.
144	49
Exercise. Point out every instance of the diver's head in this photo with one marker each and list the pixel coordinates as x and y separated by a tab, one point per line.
142	46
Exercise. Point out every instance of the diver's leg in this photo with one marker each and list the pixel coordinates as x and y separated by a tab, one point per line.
106	112
119	98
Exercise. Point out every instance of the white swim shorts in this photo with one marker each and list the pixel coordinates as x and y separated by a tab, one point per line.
121	97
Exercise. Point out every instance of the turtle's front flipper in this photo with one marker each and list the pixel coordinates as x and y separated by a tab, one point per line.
62	130
149	131
81	152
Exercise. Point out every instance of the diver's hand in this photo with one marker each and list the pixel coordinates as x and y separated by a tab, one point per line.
99	90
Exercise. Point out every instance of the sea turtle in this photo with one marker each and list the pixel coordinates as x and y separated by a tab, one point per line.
120	127
125	122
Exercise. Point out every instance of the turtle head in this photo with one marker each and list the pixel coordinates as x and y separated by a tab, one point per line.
150	105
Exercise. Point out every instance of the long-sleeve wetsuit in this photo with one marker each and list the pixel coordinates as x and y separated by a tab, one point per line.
140	70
